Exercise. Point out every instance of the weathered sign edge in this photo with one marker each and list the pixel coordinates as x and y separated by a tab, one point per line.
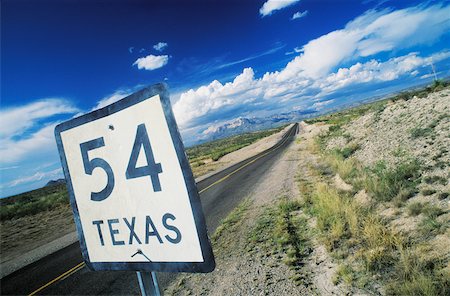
160	89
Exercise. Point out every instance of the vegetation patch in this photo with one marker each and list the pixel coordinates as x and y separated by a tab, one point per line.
33	202
435	179
368	247
232	221
198	155
282	232
385	183
418	132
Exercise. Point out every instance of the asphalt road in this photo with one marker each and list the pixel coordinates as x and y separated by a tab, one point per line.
64	275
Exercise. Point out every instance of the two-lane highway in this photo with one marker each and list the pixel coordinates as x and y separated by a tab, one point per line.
63	272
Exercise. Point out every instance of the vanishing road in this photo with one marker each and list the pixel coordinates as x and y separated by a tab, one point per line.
63	272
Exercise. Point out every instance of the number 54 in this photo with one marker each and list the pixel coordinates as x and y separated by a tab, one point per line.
152	168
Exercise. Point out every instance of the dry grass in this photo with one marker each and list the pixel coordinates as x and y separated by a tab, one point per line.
362	239
358	237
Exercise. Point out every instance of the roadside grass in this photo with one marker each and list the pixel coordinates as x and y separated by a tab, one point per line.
385	183
231	223
283	232
382	182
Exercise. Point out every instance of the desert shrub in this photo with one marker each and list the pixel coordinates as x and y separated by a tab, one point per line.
346	168
417	274
34	202
418	132
385	183
443	195
428	191
415	208
435	179
403	195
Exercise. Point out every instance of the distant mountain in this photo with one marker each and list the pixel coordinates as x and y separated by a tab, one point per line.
55	182
244	125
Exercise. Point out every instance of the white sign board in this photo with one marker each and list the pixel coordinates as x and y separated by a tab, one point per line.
134	198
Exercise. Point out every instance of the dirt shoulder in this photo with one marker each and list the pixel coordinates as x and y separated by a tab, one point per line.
245	267
267	245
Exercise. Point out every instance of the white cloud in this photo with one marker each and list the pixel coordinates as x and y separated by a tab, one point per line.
253	57
195	103
15	120
38	176
295	50
322	104
272	5
315	71
9	168
369	34
374	70
160	46
299	14
117	95
21	132
41	141
152	62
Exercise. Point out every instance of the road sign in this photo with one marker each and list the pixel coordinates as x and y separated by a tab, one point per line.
134	198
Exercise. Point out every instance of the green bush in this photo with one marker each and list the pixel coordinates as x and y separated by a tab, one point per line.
418	132
385	183
34	202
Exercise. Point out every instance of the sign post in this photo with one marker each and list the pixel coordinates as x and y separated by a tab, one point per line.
133	195
148	284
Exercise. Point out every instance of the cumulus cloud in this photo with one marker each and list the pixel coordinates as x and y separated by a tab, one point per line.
151	62
299	14
374	70
315	72
369	34
273	5
160	46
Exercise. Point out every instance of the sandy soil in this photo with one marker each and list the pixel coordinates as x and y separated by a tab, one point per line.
19	236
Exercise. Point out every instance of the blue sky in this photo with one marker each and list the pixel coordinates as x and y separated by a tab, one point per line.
220	59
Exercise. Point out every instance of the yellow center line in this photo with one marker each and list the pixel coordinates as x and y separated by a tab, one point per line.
81	265
64	275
